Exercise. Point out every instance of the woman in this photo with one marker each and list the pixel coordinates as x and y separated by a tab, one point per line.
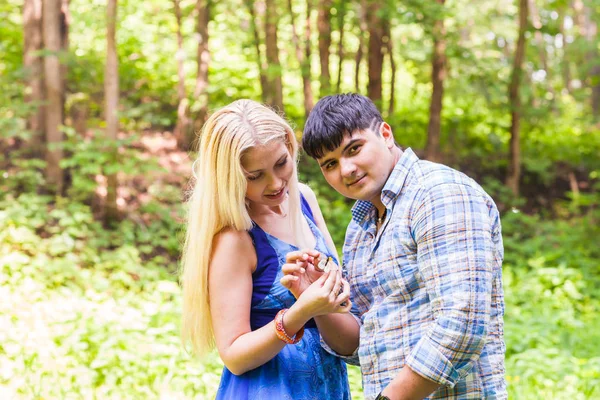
246	212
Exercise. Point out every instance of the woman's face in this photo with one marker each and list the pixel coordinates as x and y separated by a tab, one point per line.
268	170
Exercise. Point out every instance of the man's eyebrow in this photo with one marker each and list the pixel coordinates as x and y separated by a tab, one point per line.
346	147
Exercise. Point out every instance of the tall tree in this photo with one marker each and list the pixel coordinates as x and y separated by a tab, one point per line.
536	22
375	61
303	56
565	63
111	95
438	74
324	27
275	96
262	66
588	30
390	53
513	175
54	88
33	65
64	23
182	127
363	25
341	14
203	61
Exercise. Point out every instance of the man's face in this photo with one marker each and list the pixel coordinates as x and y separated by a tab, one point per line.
361	165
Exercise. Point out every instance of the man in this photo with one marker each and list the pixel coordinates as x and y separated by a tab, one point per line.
423	256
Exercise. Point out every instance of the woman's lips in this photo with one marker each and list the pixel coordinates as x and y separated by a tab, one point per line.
277	195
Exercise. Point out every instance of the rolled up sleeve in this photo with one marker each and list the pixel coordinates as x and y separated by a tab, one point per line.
455	256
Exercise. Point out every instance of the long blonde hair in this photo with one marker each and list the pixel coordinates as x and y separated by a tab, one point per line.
218	202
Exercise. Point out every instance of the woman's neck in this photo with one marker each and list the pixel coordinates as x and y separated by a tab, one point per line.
261	210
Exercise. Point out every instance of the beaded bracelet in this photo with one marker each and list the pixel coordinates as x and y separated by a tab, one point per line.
280	330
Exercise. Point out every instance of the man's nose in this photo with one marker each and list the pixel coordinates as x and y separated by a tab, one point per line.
348	168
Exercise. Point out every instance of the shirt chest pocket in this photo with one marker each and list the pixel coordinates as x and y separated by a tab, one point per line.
397	272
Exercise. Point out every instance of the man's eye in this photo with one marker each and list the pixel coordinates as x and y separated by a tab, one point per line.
354	149
329	165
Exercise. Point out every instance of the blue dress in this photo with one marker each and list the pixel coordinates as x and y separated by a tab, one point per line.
299	372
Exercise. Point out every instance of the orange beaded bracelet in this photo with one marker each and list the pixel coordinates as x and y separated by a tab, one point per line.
280	330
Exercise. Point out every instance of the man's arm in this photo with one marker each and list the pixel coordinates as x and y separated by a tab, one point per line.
409	385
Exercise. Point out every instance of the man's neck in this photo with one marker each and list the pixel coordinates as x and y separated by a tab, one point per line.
397	153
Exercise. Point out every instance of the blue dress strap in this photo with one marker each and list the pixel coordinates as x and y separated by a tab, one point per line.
267	266
306	208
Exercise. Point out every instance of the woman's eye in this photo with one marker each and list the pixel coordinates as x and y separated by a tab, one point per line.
282	163
253	177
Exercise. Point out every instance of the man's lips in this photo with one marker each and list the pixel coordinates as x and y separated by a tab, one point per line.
356	181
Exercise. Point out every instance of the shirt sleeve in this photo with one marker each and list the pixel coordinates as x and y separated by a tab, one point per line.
455	256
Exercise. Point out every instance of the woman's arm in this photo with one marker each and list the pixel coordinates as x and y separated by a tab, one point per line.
230	292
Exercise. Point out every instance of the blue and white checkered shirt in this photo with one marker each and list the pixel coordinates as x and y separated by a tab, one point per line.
427	288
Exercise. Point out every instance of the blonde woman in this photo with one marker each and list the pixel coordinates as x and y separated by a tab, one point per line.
246	212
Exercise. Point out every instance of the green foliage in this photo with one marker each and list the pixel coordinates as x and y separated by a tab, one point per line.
552	291
97	155
94	313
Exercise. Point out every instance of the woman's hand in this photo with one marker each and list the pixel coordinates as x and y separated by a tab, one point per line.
330	293
299	271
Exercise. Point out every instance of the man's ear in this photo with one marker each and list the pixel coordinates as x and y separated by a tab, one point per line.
385	130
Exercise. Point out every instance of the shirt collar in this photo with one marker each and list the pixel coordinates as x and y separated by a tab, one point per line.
392	188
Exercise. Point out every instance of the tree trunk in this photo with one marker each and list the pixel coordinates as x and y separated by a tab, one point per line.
324	26
262	67
389	48
34	75
591	72
302	57
111	94
438	74
541	45
275	97
593	60
65	22
182	127
566	68
375	63
203	60
53	111
539	39
340	49
363	24
514	164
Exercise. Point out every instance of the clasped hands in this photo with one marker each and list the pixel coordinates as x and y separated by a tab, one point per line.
319	293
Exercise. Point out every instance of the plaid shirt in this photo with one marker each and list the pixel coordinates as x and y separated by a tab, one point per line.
427	288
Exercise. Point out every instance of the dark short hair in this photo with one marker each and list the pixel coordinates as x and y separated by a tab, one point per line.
334	117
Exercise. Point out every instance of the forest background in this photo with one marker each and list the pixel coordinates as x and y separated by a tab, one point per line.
100	104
